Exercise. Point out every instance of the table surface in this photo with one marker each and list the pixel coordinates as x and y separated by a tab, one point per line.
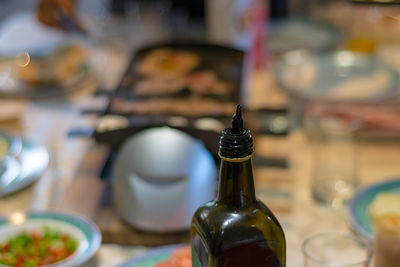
48	121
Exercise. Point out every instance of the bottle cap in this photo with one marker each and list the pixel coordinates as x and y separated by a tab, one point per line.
236	142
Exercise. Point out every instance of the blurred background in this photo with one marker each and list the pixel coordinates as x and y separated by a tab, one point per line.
82	80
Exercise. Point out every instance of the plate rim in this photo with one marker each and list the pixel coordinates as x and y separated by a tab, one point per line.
389	91
353	202
28	179
94	244
149	253
331	30
14	143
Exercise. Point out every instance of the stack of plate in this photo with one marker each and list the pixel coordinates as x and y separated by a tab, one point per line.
21	162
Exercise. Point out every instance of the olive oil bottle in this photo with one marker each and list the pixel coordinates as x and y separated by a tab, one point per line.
236	230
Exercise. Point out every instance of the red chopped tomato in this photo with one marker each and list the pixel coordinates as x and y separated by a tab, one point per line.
181	257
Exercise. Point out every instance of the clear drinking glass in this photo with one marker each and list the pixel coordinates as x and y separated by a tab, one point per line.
334	171
336	249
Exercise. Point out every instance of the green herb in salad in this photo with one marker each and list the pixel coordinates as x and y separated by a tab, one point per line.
31	249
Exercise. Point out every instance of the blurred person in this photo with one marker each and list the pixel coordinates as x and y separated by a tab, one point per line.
61	14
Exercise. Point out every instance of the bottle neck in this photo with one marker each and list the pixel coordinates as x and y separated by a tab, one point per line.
236	183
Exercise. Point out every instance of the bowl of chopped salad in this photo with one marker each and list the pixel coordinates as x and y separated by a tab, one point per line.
47	239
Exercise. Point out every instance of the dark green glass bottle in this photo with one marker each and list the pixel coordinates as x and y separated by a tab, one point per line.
236	230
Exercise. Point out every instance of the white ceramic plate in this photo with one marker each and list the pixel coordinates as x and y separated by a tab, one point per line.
337	76
29	164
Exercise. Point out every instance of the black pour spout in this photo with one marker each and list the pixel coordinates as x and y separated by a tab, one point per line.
237	121
236	142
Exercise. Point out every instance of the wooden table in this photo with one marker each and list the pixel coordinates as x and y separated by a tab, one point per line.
301	216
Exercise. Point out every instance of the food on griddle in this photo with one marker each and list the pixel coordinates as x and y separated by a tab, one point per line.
159	86
167	62
206	82
191	107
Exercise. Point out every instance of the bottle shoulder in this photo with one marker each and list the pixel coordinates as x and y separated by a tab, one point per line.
217	217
